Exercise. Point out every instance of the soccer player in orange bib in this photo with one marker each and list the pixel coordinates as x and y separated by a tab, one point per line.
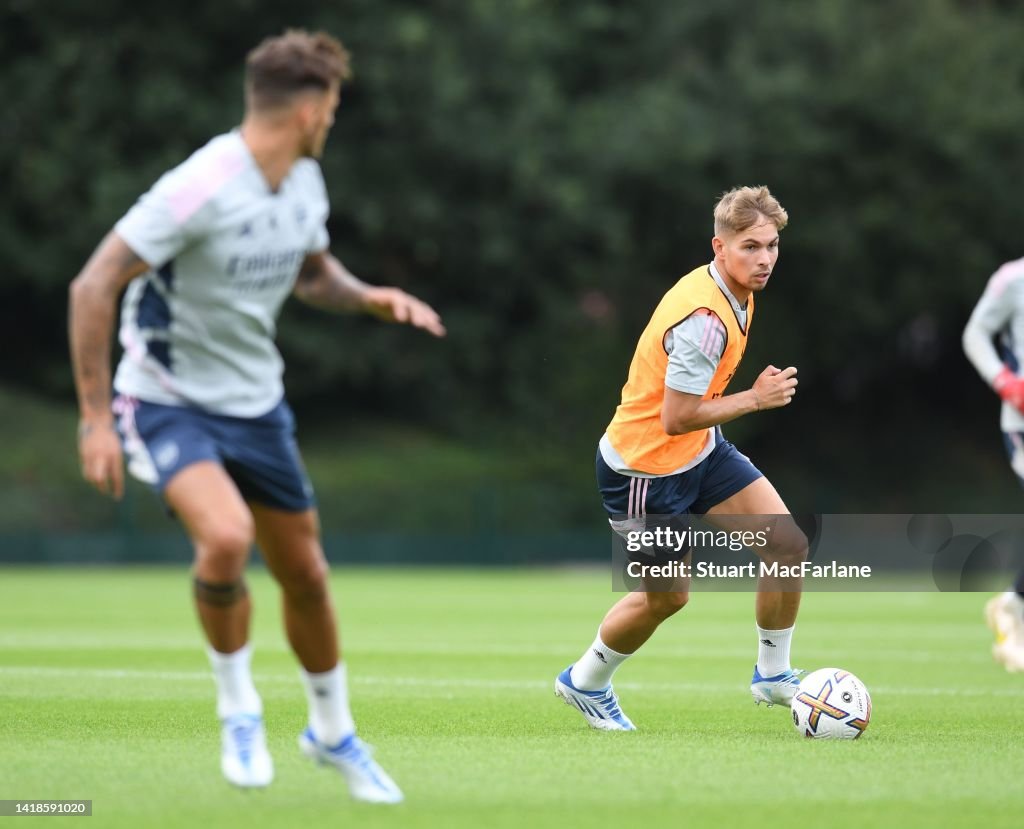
664	454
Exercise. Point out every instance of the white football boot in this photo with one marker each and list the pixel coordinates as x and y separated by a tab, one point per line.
775	690
600	709
367	781
1006	621
244	758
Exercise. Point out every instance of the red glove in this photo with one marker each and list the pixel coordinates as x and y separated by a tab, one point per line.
1010	387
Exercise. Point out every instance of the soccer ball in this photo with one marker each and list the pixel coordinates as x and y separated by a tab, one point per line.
831	704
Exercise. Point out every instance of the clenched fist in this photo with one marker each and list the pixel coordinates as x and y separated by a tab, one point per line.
775	387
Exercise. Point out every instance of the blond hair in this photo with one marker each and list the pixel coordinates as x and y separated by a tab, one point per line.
297	61
743	207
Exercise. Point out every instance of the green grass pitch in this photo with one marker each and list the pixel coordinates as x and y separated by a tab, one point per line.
105	695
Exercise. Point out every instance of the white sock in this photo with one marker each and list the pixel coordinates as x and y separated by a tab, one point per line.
773	651
329	714
593	671
235	692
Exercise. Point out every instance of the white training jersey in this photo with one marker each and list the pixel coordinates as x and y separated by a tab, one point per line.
999	318
224	251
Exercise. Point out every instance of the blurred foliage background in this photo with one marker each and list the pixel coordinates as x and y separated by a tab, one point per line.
542	172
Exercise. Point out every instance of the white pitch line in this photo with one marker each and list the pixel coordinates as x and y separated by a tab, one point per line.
491	684
62	642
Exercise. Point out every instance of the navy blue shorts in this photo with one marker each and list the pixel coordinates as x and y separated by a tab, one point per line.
1014	443
719	476
259	454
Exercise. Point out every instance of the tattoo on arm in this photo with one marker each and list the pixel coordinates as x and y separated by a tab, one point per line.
92	310
325	283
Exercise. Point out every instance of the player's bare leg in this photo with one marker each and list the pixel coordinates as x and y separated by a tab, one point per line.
290	542
633	619
778	601
221	529
586	684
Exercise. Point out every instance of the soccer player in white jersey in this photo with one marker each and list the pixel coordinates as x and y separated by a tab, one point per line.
999	318
208	256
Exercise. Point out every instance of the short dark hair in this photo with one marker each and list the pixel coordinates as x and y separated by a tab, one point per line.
294	62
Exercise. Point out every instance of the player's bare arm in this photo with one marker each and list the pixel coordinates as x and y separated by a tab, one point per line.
324	282
682	413
92	309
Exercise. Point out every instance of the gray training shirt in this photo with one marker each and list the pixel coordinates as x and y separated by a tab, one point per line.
224	251
999	315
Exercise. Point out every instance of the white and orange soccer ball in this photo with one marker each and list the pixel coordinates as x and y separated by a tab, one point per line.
831	704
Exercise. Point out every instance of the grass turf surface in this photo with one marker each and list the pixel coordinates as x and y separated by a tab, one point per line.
105	695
